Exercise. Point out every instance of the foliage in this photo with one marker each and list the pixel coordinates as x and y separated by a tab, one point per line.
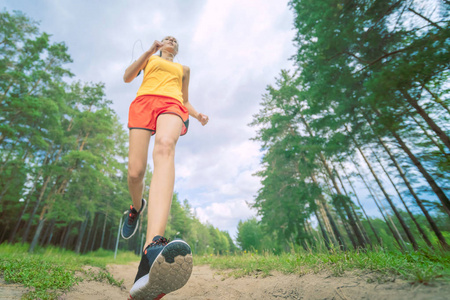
368	94
416	267
16	265
203	238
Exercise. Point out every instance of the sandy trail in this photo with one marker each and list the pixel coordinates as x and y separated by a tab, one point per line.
209	284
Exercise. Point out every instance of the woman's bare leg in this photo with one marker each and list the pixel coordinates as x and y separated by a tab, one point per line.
137	163
168	129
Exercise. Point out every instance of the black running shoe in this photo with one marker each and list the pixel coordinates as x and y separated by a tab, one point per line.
164	268
131	224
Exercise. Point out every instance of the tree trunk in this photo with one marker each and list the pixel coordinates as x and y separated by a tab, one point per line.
67	235
359	237
110	236
50	233
89	234
330	218
430	220
36	235
439	146
439	132
419	228
333	180
4	233
353	212
347	229
81	234
95	234
386	195
104	228
322	229
19	220
437	190
36	206
362	207
436	98
395	234
39	228
327	224
45	235
360	225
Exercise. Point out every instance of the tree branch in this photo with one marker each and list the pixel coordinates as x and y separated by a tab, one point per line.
425	18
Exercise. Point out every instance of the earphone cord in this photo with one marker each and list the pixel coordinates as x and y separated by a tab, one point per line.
132	51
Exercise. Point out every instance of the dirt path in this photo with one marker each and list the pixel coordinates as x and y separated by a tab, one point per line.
208	284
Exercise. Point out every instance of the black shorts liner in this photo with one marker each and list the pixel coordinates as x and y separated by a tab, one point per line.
185	123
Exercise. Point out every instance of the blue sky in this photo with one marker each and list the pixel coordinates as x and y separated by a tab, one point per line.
234	49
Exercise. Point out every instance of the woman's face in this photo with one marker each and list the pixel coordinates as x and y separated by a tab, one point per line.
170	43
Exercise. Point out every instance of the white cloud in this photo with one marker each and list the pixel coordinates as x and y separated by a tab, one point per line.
225	216
234	49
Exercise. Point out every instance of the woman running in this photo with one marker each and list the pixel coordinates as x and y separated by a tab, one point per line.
161	108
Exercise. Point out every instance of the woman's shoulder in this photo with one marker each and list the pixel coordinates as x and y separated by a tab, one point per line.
186	69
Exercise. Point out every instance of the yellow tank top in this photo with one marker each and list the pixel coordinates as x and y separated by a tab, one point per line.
163	78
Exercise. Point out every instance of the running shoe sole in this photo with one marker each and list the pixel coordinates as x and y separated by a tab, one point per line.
169	272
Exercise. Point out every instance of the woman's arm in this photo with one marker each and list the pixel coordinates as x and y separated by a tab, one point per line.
133	70
185	90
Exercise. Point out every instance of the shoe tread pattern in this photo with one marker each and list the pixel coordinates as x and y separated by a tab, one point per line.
170	271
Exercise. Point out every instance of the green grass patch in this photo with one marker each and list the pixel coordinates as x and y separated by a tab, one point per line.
51	271
417	267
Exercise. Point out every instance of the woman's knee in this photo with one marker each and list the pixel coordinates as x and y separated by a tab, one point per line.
164	146
136	174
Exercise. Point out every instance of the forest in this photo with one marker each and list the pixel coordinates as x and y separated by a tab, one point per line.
355	140
361	122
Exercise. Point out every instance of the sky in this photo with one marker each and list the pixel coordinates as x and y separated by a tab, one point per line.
234	50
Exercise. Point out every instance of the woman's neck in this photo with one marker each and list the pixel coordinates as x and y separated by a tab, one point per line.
167	56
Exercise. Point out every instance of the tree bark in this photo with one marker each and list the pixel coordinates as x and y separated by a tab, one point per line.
419	228
81	234
67	235
430	220
330	218
104	228
89	235
352	222
19	221
436	189
323	231
50	233
95	234
36	206
439	146
436	98
375	232
440	133
386	195
353	212
36	235
395	233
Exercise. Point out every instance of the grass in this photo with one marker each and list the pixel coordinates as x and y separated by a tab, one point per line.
51	271
422	267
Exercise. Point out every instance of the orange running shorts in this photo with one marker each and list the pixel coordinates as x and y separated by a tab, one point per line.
145	109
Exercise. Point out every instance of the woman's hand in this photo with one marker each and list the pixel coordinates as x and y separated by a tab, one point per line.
202	119
157	45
